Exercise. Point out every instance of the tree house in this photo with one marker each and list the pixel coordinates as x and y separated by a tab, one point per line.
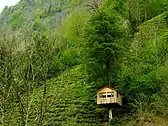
108	96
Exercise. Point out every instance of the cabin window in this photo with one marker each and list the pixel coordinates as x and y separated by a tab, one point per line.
102	95
110	94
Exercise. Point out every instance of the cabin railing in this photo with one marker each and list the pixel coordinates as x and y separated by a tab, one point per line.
106	100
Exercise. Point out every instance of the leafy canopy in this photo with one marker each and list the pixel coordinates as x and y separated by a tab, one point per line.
105	41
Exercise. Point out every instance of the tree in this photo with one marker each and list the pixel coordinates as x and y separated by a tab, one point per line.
106	40
16	19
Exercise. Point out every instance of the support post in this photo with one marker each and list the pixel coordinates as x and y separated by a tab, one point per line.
110	115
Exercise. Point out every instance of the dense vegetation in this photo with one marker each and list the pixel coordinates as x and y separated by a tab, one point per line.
55	54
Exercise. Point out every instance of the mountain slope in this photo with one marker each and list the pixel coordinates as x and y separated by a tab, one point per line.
42	78
146	74
69	101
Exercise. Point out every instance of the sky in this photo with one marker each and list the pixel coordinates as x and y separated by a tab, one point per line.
3	3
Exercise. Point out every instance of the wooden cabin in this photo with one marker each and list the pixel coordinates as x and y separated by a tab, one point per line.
109	96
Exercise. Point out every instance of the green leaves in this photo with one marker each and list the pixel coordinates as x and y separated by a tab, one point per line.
143	10
104	37
16	20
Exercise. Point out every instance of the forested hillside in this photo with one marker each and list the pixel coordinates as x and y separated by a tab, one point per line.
55	55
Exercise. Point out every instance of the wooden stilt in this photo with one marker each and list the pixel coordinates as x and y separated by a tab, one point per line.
110	115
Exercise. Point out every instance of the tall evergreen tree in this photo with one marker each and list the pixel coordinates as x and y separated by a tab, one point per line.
106	41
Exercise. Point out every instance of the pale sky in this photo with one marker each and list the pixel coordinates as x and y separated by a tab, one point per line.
3	3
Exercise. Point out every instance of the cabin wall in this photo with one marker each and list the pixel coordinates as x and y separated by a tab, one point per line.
108	100
119	99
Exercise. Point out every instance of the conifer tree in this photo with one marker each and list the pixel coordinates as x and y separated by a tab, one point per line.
106	41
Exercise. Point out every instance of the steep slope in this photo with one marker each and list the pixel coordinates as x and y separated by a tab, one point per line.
147	74
76	103
69	101
50	13
151	30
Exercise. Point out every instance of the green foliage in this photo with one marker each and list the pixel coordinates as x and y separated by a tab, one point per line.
43	80
38	14
144	75
74	26
69	100
16	20
74	3
143	10
69	58
37	59
105	39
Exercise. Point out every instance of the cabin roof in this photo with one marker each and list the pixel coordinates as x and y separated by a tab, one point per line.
107	87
